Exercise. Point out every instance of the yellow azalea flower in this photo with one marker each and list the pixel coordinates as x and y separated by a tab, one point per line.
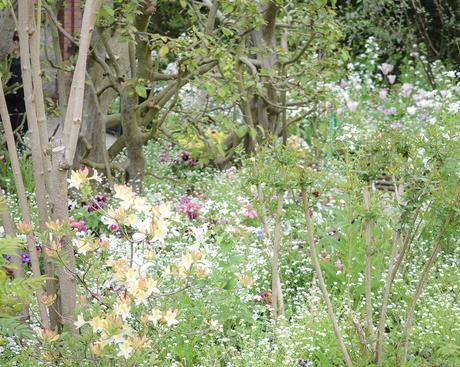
155	316
152	286
122	191
25	227
96	176
140	342
122	309
97	324
80	321
140	296
196	254
83	245
131	276
163	211
47	335
140	204
125	349
78	178
115	216
202	271
97	348
245	280
55	226
158	229
169	317
125	194
131	220
48	299
186	261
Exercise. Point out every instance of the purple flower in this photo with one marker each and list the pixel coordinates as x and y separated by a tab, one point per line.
391	111
185	156
114	227
25	258
352	105
386	68
396	125
391	78
258	233
383	93
406	90
164	157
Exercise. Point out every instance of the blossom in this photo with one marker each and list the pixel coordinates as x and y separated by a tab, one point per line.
25	258
80	225
352	105
383	93
155	316
96	324
78	178
411	110
48	299
391	78
125	194
245	280
95	176
80	321
202	271
122	309
186	261
169	317
158	229
406	90
386	68
324	255
25	227
189	207
125	349
164	157
338	265
48	336
396	125
390	111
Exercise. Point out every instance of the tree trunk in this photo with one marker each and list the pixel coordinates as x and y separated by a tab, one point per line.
134	140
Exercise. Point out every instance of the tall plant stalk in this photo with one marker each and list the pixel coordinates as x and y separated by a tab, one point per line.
322	284
23	203
426	271
277	293
368	263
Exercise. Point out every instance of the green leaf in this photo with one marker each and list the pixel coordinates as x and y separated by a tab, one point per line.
141	91
163	51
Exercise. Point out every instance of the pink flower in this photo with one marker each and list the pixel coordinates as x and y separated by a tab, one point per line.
383	93
406	90
386	68
391	78
189	208
80	225
251	214
352	105
338	265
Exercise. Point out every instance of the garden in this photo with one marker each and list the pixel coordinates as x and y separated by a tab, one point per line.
230	183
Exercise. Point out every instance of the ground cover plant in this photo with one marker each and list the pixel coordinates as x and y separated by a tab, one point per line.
271	201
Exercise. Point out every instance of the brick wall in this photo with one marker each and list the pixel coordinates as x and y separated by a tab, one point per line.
71	20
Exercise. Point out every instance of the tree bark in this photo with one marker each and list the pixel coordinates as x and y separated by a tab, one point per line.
133	140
